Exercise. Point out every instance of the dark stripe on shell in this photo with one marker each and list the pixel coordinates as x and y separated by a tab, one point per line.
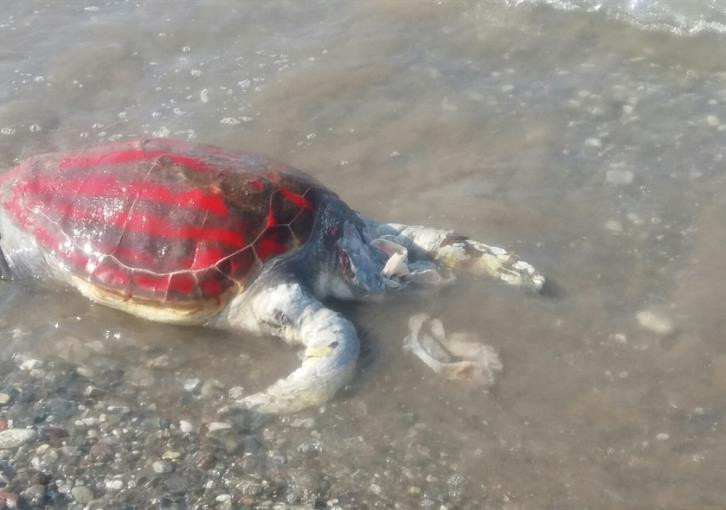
159	220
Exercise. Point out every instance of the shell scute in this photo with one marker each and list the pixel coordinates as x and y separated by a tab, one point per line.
168	223
238	265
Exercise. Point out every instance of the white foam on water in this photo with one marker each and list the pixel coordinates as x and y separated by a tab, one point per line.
680	17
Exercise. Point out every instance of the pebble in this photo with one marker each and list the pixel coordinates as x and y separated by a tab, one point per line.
161	467
619	176
30	364
218	425
82	494
593	142
655	322
141	377
614	226
114	485
4	399
210	388
306	423
712	120
12	438
34	495
159	362
236	392
100	451
10	499
621	338
250	488
86	372
191	384
93	392
662	436
185	426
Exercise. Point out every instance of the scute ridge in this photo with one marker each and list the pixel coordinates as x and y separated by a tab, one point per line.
161	221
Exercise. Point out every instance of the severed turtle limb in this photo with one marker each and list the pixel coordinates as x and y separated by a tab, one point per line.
457	356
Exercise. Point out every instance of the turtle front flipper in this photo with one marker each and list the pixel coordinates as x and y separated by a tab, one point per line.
457	253
286	310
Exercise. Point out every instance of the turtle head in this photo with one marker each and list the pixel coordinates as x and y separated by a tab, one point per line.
356	264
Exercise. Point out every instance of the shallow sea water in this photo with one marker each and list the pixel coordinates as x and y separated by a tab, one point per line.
592	146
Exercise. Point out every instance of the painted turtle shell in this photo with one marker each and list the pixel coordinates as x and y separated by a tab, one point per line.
161	223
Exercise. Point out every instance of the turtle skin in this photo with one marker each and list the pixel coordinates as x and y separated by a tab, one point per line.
161	222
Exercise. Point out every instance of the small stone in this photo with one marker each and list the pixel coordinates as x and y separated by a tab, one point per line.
101	451
375	489
662	436
593	142
30	364
620	338
614	226
9	498
203	459
82	494
655	322
161	467
218	425
186	426
60	408
159	362
115	485
46	457
176	484
236	392
93	392
250	488
712	120
86	372
306	423
12	438
140	377
191	384
171	455
634	218
56	435
211	388
223	497
619	176
4	399
34	495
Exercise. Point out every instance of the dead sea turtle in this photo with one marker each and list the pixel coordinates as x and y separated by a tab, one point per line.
193	234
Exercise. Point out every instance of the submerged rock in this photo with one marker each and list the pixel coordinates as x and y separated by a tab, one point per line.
655	321
12	438
82	494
